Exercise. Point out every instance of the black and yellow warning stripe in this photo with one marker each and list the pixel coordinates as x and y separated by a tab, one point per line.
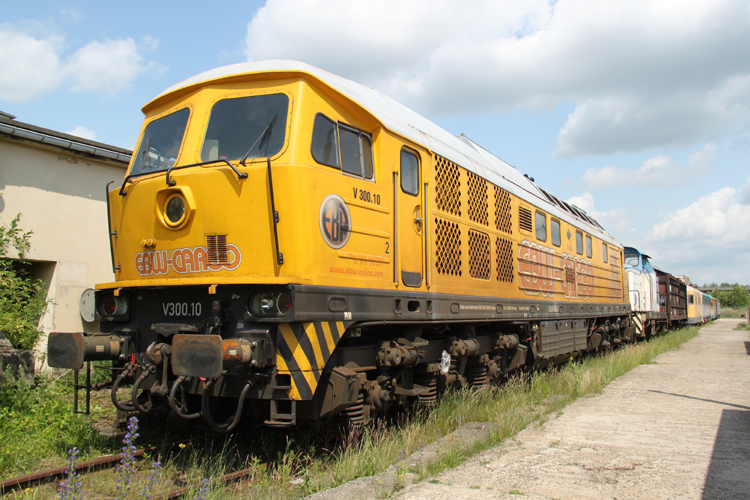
302	351
639	319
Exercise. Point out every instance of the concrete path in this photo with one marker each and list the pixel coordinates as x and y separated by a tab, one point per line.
679	428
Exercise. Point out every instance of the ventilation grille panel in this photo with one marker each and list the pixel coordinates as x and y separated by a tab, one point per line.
447	186
216	248
503	220
447	248
479	255
504	251
524	219
478	199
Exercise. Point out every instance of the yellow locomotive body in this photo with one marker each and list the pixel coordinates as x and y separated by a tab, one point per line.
294	238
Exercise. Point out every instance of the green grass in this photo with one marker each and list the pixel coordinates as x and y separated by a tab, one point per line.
38	427
296	470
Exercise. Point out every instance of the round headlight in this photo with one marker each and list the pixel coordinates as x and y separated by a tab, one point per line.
114	306
175	210
264	304
270	303
284	302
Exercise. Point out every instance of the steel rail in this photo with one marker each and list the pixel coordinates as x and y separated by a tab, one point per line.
48	475
178	492
100	463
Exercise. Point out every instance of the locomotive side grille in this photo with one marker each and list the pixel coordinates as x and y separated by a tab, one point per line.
479	255
524	219
216	248
478	199
502	211
447	247
504	250
447	186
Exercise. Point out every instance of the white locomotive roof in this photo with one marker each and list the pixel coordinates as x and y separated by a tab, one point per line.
403	121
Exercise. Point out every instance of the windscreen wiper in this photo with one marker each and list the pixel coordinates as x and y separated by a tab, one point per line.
263	137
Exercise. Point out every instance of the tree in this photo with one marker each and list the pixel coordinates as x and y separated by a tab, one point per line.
736	297
22	299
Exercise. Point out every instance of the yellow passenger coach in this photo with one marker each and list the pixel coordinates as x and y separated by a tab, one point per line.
292	245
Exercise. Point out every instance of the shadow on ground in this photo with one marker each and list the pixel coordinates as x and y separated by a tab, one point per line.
729	471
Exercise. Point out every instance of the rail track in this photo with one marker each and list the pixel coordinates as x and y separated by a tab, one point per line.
47	476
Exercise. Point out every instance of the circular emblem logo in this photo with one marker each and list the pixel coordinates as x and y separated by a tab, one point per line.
335	221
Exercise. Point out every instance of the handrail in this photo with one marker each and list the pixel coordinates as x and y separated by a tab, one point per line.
240	175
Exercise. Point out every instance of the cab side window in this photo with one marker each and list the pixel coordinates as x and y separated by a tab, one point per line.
589	251
604	252
325	144
409	173
554	226
579	243
345	148
541	226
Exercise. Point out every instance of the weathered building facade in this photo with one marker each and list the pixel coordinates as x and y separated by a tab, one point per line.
57	183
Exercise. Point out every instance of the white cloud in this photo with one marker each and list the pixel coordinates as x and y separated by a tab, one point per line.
658	172
34	64
109	66
81	131
616	221
640	73
708	238
30	66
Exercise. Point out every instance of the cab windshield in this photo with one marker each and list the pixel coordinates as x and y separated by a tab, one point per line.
632	259
246	127
161	142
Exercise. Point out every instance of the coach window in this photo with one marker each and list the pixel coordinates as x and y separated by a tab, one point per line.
579	243
554	227
604	252
589	251
541	226
409	173
338	146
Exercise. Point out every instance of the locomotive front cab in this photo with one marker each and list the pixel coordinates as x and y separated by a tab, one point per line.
241	192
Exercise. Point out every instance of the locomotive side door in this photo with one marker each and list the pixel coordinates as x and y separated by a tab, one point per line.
409	220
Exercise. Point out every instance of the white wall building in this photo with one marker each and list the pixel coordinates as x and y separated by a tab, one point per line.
57	183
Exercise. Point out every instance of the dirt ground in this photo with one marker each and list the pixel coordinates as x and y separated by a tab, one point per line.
678	428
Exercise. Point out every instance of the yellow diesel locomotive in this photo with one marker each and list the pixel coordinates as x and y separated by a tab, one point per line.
291	245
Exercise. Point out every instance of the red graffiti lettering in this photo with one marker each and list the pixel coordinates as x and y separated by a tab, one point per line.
537	270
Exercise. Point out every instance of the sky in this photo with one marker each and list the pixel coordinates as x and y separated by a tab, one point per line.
636	111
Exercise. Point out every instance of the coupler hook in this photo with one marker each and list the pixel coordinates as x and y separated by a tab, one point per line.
147	370
128	406
179	410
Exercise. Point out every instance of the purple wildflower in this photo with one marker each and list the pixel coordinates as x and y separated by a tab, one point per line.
126	469
155	470
71	486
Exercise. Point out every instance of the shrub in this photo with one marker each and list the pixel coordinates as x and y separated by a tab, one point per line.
22	299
